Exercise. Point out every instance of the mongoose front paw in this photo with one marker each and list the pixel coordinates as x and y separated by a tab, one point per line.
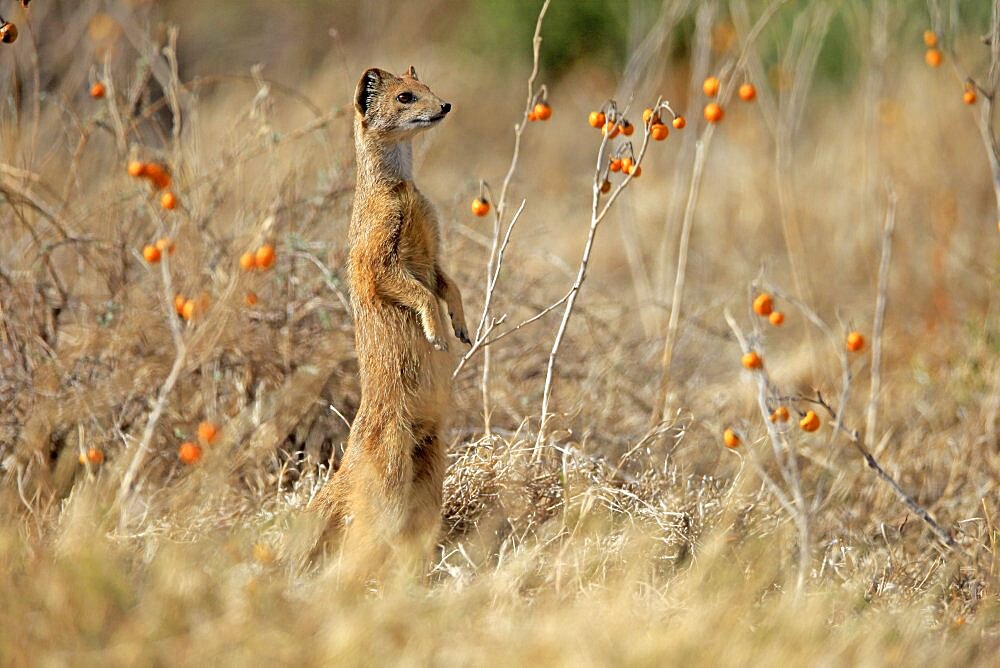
461	331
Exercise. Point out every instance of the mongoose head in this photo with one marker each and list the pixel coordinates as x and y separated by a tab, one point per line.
396	108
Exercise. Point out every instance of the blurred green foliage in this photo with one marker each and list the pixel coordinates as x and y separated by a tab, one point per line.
595	30
599	31
602	33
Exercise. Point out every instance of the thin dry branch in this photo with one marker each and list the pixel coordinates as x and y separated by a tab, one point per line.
878	323
597	216
852	435
785	457
943	535
500	206
660	408
988	88
180	358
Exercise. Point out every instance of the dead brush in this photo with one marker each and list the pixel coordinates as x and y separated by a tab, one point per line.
499	502
202	341
799	502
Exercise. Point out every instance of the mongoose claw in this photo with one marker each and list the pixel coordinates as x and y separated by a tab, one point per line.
461	330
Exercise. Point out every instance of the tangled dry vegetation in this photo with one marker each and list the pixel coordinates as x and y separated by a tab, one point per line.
619	529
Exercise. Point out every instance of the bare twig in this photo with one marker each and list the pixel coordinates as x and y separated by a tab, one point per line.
493	266
597	216
878	323
180	358
989	89
796	506
660	408
852	435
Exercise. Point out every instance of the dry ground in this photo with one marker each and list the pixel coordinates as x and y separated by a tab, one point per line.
629	543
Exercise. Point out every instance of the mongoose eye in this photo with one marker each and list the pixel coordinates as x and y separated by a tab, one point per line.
405	98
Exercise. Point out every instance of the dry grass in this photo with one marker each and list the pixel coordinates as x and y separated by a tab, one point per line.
624	543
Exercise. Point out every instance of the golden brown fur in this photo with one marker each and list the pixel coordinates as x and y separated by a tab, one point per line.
387	493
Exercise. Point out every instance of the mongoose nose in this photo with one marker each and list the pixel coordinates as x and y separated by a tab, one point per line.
446	107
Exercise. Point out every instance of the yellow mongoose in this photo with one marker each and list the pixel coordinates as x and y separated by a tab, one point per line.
387	493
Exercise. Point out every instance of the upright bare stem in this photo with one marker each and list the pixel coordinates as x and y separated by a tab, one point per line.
785	458
680	279
660	408
596	216
878	323
800	59
139	455
493	267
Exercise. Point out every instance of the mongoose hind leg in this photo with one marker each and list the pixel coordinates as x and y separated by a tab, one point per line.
330	505
371	499
423	521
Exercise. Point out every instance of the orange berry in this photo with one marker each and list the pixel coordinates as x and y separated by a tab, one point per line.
606	186
166	244
251	299
930	38
179	302
265	256
933	57
711	86
98	90
151	254
616	165
658	131
679	122
610	129
93	455
730	438
597	119
168	201
532	116
543	111
8	33
626	128
713	112
635	171
188	311
648	114
747	92
480	207
780	414
752	360
207	431
136	169
969	96
776	318
809	421
855	342
626	164
763	304
189	453
158	175
248	261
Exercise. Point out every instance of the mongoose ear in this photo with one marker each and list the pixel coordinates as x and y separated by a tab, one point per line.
412	73
369	86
